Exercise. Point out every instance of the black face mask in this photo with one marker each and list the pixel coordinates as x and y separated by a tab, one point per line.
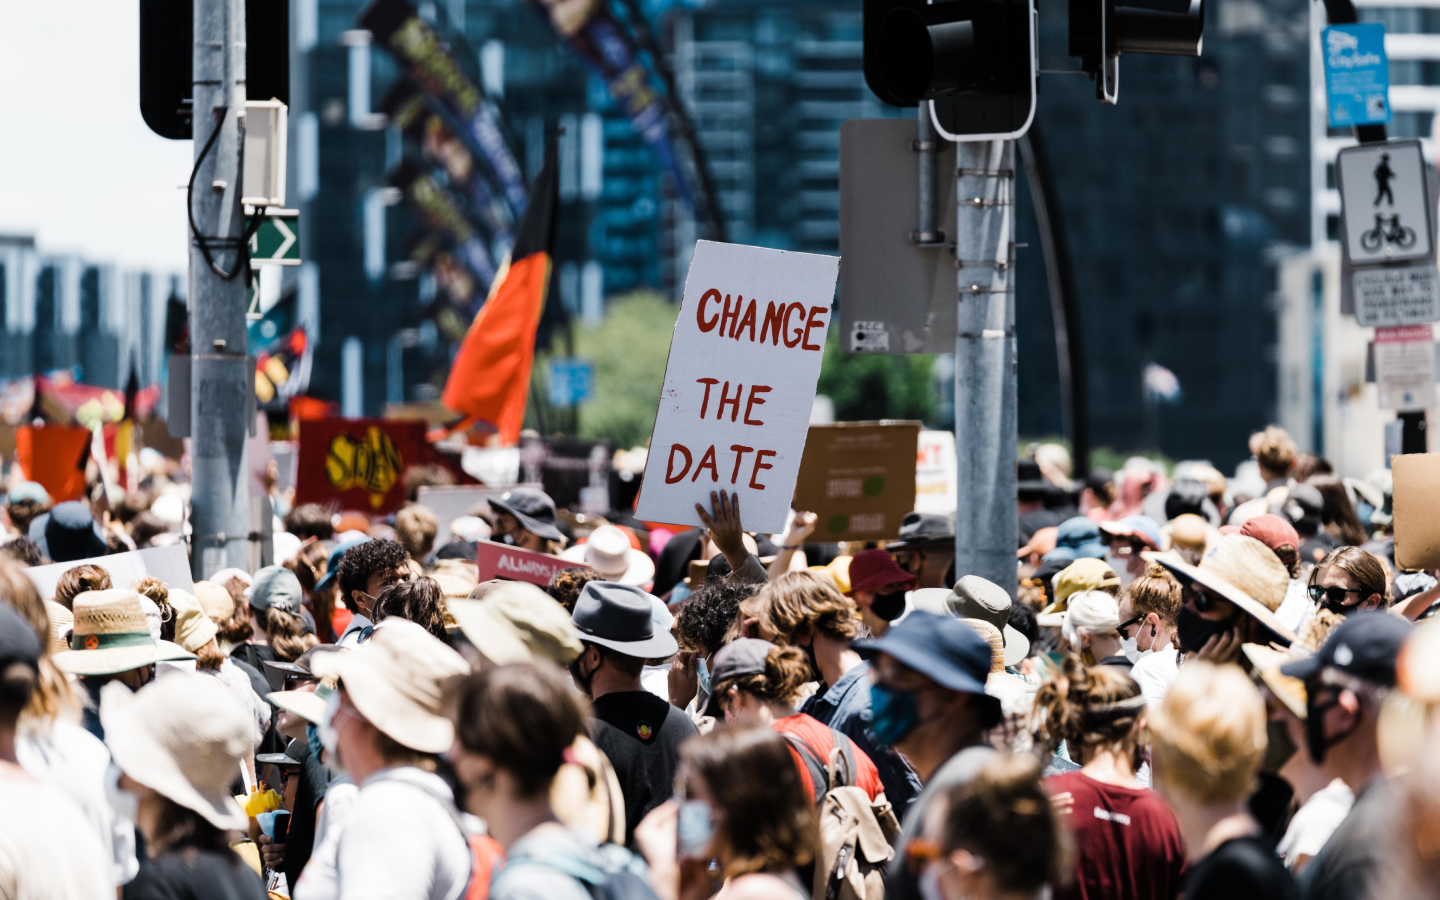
1315	712
582	681
1340	608
1194	630
888	606
814	664
1278	747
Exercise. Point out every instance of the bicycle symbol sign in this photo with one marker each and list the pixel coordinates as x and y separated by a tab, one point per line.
1386	216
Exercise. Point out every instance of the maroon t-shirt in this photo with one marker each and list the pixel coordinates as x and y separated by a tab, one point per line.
1128	842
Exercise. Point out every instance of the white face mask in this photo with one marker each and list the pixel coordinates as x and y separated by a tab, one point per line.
125	804
1121	565
329	737
1132	652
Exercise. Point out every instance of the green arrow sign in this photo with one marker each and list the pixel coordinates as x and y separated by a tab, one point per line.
277	242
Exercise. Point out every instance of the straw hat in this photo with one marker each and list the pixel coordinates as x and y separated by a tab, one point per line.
111	635
991	635
608	551
1267	662
1243	571
193	629
518	622
182	736
397	680
215	600
61	622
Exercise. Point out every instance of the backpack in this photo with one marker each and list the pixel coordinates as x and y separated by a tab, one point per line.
486	855
856	833
612	873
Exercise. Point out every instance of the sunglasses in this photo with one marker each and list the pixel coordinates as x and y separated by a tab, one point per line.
1124	627
1335	594
1203	600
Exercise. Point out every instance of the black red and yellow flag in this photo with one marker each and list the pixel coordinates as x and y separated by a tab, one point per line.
490	377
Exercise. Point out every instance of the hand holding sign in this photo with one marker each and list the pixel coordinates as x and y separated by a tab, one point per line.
739	383
724	527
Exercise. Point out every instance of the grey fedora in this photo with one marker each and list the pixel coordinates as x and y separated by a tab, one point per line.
621	617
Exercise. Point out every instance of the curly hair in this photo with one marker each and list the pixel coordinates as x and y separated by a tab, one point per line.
370	558
23	550
707	615
565	585
157	591
419	600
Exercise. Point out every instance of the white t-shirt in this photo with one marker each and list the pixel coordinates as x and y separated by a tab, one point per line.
1314	822
402	841
48	851
1155	673
71	759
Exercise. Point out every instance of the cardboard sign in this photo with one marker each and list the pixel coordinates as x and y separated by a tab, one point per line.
859	479
935	472
739	384
451	502
513	564
1405	367
1417	496
357	463
169	564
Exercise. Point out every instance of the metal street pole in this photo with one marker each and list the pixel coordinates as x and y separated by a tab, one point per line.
986	518
219	386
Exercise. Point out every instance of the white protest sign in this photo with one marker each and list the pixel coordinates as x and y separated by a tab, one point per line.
169	564
1405	367
935	469
739	384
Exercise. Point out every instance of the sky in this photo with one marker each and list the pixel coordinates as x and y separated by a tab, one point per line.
79	169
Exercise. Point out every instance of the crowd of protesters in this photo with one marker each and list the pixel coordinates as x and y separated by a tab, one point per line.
1203	687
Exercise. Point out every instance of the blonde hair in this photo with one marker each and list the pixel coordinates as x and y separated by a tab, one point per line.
1156	592
287	634
1274	449
796	599
1208	737
415	528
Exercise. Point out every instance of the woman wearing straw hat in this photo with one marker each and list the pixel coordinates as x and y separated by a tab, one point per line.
178	743
111	641
385	725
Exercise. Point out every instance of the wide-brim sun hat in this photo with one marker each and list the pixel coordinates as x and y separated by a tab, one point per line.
1266	661
524	504
397	681
110	635
945	650
941	602
183	736
608	552
1243	571
308	705
518	622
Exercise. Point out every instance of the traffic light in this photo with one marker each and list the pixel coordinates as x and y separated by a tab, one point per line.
972	60
1101	30
167	51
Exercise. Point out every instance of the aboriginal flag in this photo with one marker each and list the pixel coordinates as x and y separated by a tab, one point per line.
490	378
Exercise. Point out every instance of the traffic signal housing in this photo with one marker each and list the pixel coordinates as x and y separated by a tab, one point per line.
1101	30
167	43
973	61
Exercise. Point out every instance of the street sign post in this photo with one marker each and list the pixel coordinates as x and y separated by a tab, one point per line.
1387	214
1405	367
277	240
1398	295
1357	75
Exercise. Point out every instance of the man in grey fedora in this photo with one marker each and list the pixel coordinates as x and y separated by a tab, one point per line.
619	628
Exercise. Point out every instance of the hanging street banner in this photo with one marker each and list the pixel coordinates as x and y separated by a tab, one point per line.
739	384
1357	75
444	214
858	478
357	463
397	26
1405	367
1387	211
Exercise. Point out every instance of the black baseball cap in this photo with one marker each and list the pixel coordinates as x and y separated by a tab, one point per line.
740	657
1364	646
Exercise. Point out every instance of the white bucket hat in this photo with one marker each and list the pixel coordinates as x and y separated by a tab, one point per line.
111	635
182	736
608	551
397	681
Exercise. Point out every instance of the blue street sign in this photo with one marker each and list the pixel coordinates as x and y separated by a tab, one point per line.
572	381
1357	76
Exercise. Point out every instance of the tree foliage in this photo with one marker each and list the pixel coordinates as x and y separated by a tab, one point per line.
866	387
